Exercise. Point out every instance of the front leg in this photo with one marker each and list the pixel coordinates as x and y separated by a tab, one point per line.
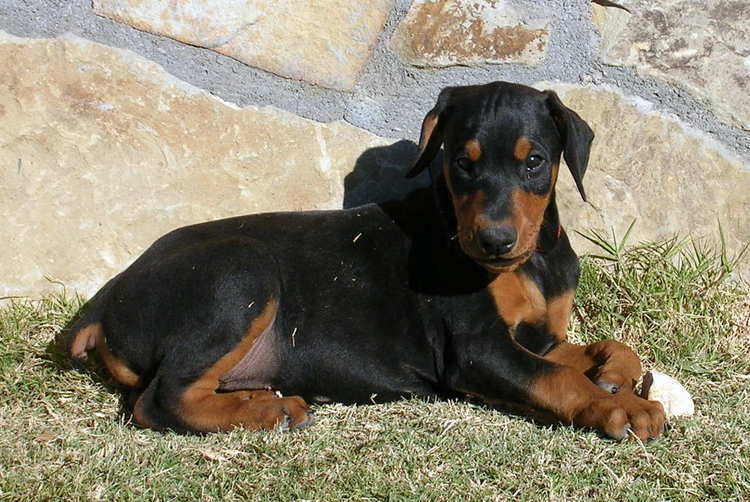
492	365
611	365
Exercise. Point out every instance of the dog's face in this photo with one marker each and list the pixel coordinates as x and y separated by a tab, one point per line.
503	144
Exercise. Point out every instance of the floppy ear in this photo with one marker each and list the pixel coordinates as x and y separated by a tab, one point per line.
576	135
431	137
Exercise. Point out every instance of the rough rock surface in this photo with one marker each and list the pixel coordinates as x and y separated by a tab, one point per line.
103	152
703	47
465	32
675	398
325	42
652	168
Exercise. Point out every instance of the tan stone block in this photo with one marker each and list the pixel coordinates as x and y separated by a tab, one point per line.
702	47
103	152
655	169
326	42
466	32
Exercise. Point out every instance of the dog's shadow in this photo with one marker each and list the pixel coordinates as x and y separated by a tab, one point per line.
379	174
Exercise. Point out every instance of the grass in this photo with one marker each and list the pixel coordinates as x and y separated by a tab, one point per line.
62	436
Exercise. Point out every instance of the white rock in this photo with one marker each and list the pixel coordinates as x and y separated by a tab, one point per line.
676	400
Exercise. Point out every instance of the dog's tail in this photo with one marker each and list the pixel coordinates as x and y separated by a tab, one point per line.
83	333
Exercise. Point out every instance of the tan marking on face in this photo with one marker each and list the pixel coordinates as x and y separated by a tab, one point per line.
202	409
522	148
558	314
527	217
473	150
517	299
572	355
470	219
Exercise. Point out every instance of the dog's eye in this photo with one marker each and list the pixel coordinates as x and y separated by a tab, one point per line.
464	163
533	164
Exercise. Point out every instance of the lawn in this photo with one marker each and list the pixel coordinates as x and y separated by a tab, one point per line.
63	437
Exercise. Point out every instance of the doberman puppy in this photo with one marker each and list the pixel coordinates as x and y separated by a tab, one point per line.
464	288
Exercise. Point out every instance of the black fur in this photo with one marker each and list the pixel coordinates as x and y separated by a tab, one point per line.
375	302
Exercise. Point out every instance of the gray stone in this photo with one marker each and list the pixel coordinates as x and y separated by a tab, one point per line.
103	152
325	42
701	47
654	169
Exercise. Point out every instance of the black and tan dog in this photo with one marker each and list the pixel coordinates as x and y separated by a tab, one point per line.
465	288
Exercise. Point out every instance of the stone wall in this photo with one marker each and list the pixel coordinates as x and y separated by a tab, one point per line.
123	119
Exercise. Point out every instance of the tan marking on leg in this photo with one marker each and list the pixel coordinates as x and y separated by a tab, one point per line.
205	410
522	148
517	298
558	314
608	361
473	150
527	216
574	399
115	365
92	336
573	355
140	416
565	392
83	341
617	364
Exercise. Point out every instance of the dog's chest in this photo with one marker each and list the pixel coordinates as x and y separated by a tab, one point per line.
518	299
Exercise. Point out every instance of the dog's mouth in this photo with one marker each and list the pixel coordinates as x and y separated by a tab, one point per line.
499	264
493	264
502	263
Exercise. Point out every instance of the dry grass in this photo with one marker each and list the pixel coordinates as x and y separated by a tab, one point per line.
62	436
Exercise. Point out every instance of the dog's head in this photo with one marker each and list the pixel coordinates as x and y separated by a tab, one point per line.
502	146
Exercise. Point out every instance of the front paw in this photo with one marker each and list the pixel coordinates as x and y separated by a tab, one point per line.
618	367
623	415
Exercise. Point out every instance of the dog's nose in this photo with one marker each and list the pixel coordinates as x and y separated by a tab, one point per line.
497	241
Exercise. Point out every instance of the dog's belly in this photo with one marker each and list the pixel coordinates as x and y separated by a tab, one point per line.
350	363
257	369
375	353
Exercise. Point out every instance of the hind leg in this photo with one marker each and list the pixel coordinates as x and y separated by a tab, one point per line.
165	404
92	337
182	397
611	365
